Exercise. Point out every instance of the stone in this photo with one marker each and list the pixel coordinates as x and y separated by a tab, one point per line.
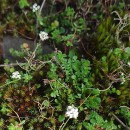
16	43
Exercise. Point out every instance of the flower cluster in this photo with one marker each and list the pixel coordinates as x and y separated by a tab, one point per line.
16	75
72	112
35	7
129	64
122	76
43	35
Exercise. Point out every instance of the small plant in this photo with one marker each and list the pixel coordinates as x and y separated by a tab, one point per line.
83	83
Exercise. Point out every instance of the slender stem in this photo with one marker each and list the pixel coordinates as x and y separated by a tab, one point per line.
122	123
84	100
63	125
14	112
126	107
37	24
12	64
43	3
107	88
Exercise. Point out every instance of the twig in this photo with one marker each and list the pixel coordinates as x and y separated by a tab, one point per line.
43	3
84	100
14	112
63	125
107	88
86	51
89	7
12	64
125	107
122	123
51	128
22	117
22	35
37	24
42	64
123	22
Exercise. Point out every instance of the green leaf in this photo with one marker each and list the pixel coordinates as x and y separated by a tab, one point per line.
23	3
27	78
73	77
61	118
96	91
1	122
4	109
69	43
75	58
127	49
85	124
11	70
15	127
70	12
54	93
118	92
55	24
117	51
46	103
79	127
113	90
40	20
11	127
22	122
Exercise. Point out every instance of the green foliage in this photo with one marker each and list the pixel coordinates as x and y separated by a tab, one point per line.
73	74
16	53
50	83
1	122
64	27
105	36
46	103
97	122
61	118
23	3
27	77
16	126
4	108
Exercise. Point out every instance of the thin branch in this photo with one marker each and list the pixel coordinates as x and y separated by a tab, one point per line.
12	64
126	107
15	113
64	124
122	123
37	24
85	100
107	88
43	3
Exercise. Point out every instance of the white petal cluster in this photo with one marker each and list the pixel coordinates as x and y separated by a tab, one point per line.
43	35
16	75
129	64
72	112
35	7
122	78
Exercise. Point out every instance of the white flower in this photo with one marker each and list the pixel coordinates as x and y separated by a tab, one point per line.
122	78
43	35
129	64
72	112
16	75
35	7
